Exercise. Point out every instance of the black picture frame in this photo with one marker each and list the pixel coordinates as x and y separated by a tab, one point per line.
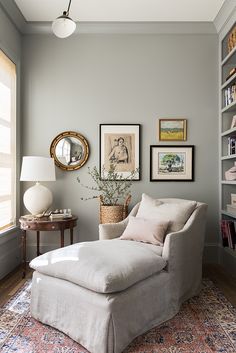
161	168
110	135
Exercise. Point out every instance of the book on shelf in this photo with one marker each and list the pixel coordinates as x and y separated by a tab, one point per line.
228	233
224	233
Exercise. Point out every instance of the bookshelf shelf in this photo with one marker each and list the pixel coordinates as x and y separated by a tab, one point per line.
224	212
229	132
228	182
228	57
230	80
230	251
229	108
232	156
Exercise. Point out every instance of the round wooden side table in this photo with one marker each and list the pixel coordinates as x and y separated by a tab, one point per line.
44	224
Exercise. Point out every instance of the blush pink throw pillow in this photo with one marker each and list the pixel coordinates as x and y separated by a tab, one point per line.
145	230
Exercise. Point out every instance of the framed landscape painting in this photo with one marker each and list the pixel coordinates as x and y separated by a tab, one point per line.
120	147
172	129
171	163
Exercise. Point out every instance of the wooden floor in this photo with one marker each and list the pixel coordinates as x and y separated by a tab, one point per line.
223	280
11	283
226	283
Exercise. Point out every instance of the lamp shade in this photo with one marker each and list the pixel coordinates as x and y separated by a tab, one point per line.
63	26
37	169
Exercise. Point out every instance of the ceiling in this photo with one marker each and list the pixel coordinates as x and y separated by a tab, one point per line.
122	10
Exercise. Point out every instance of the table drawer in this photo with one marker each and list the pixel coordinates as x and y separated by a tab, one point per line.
42	227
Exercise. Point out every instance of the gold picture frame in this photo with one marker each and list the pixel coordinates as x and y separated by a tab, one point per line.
172	129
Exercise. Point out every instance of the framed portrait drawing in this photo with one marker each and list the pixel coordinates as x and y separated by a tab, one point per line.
172	129
120	145
171	163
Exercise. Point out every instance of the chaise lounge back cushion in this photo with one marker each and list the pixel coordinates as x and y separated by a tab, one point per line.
174	211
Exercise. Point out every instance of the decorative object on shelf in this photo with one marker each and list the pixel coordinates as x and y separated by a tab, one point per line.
231	173
120	145
38	198
233	123
233	199
172	129
113	193
171	163
231	42
63	26
70	150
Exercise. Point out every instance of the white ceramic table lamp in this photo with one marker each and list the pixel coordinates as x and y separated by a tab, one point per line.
38	198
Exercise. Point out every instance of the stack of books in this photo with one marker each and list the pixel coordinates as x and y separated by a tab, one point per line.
231	145
229	95
228	233
55	216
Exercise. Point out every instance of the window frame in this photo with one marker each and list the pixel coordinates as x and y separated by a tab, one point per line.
12	227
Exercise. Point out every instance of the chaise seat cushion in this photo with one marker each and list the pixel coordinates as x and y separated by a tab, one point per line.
102	266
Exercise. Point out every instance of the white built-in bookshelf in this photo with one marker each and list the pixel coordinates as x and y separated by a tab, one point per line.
227	131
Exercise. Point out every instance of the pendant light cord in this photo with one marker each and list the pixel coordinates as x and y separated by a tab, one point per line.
67	12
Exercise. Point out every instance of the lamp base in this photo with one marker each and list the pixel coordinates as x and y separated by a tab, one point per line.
37	199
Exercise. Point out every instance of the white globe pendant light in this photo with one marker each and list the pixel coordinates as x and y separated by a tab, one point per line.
63	26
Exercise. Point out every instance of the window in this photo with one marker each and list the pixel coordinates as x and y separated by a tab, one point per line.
7	142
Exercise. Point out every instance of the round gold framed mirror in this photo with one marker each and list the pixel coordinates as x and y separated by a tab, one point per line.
70	150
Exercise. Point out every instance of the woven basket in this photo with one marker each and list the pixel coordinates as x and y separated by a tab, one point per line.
114	213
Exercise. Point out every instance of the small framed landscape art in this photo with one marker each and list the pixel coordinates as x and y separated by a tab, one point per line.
172	129
171	163
120	146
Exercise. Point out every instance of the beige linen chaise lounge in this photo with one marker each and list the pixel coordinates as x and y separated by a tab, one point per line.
105	293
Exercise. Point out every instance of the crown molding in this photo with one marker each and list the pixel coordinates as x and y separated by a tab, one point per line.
13	13
224	16
24	27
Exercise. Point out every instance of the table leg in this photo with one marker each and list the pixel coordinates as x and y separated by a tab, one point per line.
62	238
71	236
23	238
38	241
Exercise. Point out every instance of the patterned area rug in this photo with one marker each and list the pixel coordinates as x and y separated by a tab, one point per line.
205	324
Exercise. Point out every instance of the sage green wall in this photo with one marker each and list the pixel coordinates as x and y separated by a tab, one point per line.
80	82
